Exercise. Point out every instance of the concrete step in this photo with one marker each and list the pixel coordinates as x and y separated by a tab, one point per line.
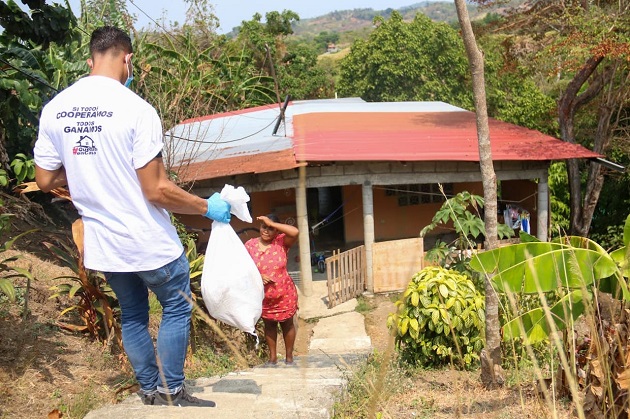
305	390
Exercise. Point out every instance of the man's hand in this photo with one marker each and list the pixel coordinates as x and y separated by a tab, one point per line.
218	209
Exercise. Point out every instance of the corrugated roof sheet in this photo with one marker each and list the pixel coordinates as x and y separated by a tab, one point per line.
253	163
419	136
348	130
228	135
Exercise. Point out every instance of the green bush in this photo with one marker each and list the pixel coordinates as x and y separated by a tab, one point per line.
440	319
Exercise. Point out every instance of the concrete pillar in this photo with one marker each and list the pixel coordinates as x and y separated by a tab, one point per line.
543	209
306	275
368	231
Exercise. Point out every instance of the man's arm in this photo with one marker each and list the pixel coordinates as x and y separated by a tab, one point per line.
162	192
47	180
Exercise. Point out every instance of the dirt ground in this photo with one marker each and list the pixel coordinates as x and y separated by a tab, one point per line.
42	367
443	393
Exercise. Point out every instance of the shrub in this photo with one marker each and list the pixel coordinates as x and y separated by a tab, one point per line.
440	318
90	296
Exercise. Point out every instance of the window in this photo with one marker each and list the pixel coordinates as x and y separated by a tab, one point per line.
427	193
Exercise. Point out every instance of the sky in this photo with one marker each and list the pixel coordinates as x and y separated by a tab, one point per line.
232	12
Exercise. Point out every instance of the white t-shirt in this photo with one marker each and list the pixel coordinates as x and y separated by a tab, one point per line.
101	132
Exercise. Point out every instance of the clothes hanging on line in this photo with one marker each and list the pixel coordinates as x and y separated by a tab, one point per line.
516	217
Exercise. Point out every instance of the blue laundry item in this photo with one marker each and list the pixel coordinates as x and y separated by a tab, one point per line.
525	226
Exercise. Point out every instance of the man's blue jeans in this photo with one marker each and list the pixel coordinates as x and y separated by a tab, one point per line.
166	370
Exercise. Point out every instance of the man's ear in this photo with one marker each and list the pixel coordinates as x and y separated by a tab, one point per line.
90	63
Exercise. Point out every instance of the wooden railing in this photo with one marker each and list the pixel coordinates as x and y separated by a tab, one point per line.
346	275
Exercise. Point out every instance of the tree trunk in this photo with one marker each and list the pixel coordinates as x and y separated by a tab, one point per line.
491	372
595	178
4	156
568	105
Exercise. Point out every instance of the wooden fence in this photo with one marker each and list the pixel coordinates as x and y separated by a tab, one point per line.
395	262
346	275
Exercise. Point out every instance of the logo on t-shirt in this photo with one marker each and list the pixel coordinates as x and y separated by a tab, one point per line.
85	147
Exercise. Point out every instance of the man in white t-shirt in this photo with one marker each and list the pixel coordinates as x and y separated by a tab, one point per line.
104	142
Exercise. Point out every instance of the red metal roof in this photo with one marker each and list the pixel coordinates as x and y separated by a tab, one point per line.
230	113
427	136
255	163
351	130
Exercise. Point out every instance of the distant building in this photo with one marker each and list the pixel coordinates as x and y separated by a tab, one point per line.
332	48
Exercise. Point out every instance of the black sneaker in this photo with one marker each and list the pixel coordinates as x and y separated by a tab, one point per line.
148	399
181	399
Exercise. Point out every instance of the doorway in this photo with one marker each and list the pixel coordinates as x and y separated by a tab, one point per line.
325	209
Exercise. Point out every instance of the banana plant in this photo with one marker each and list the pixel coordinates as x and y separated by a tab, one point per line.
622	255
573	266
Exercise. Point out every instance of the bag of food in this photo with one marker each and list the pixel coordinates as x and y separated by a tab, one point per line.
231	285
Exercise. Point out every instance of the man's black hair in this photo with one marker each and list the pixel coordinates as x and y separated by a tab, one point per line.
108	38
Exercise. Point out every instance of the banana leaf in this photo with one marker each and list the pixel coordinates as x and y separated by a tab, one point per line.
622	255
616	283
530	267
7	288
535	324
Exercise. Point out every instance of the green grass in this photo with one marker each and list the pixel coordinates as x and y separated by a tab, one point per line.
154	305
77	405
364	304
206	363
368	383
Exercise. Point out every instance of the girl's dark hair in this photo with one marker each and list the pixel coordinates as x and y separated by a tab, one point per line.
108	37
273	217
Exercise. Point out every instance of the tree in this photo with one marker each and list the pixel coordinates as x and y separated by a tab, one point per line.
267	39
491	372
97	13
324	38
44	24
30	73
293	66
300	75
202	22
189	71
400	61
580	50
512	93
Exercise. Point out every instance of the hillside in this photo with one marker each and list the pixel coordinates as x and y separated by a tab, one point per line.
357	23
359	19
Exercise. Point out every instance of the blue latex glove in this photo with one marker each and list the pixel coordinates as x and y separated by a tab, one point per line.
218	209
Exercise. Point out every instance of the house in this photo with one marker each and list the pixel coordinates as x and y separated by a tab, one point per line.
350	172
332	48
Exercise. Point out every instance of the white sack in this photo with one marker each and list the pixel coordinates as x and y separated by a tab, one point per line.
238	199
231	285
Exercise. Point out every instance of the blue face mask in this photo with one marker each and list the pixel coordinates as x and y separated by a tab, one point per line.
129	72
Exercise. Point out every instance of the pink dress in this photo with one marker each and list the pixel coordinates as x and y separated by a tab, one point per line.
281	299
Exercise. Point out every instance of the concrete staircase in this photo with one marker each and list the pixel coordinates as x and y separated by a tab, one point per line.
305	390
